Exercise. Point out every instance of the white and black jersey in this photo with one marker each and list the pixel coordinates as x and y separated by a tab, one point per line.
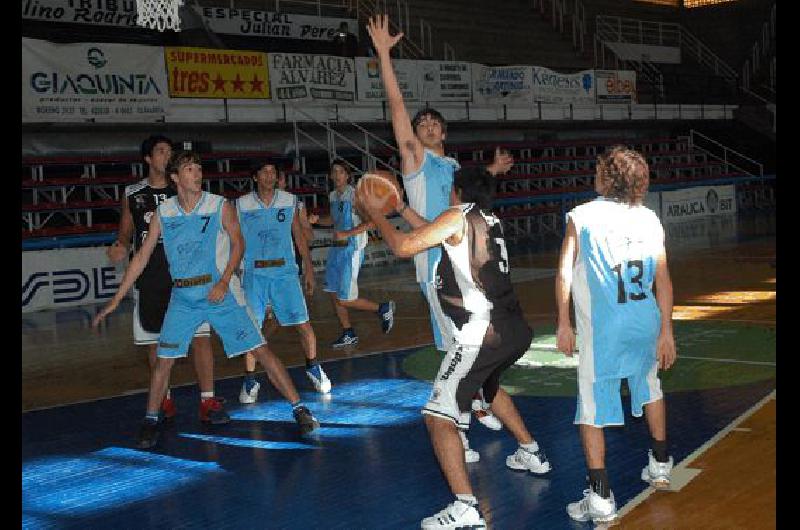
473	280
480	317
154	285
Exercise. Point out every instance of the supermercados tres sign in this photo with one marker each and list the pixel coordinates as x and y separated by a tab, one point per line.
92	81
702	201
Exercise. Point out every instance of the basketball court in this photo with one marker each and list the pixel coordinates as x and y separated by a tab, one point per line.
371	465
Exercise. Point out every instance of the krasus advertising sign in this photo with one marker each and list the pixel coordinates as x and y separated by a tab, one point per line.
92	81
549	86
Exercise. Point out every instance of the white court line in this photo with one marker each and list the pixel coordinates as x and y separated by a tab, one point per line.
684	464
759	363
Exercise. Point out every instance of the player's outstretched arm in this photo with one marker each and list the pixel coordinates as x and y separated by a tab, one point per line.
665	348
230	222
449	226
565	336
411	150
134	270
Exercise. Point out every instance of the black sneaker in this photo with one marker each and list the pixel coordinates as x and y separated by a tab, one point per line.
305	419
348	338
386	314
148	434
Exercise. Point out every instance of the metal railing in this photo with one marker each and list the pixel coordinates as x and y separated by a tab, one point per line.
573	11
335	139
763	50
728	157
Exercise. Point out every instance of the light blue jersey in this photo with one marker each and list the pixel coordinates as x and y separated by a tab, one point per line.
198	250
617	316
345	217
428	192
267	232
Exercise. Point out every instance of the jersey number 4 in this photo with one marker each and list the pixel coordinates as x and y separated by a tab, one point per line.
622	294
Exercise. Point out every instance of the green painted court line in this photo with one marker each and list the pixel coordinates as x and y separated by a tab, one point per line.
714	359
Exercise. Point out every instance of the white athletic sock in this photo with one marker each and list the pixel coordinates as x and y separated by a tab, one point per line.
532	447
169	394
469	499
206	395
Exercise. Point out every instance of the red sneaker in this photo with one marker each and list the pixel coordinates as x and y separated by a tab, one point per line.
212	411
168	408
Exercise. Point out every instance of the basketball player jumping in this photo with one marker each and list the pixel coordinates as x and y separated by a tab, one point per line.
203	246
153	288
428	181
482	324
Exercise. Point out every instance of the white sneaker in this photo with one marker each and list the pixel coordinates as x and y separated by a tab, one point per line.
470	455
319	379
456	515
249	397
593	508
657	473
534	461
486	418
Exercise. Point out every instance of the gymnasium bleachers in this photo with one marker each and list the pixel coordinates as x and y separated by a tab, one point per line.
69	196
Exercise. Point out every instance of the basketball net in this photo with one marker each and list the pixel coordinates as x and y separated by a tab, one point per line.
158	14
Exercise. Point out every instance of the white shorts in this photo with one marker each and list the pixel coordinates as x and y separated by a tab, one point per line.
145	338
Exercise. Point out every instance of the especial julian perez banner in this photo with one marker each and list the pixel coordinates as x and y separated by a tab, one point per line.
211	73
92	81
251	22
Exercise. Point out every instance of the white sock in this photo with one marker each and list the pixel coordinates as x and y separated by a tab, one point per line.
469	499
169	394
532	447
206	395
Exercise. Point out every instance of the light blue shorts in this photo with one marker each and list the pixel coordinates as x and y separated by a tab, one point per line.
341	272
230	318
283	294
600	402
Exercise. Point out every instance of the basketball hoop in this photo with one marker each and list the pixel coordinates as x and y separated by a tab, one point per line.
158	14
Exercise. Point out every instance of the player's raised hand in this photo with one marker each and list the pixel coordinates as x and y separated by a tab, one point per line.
565	339
378	29
665	351
503	160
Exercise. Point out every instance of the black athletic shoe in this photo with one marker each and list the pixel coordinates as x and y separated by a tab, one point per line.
305	419
386	314
148	434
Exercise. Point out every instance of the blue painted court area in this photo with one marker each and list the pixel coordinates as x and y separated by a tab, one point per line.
370	465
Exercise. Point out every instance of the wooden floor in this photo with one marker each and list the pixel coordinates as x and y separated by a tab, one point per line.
63	362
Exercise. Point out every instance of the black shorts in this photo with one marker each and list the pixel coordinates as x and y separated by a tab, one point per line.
465	369
155	289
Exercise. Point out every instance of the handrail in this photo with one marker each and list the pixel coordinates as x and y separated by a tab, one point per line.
726	149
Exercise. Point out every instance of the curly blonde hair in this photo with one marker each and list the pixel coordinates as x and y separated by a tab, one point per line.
623	174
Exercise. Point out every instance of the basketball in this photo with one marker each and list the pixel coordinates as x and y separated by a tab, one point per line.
381	189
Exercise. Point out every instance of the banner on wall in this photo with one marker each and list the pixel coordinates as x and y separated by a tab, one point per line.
96	12
92	81
501	84
702	201
370	86
67	277
445	81
251	22
549	86
211	73
615	86
311	77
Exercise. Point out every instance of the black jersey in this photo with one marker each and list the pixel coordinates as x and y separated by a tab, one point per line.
142	203
473	279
